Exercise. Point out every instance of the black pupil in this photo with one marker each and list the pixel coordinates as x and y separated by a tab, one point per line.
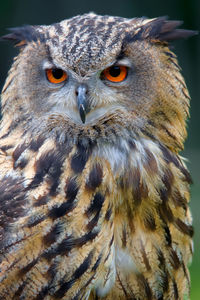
57	73
115	71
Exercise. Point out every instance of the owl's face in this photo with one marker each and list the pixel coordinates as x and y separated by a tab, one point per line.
90	81
91	67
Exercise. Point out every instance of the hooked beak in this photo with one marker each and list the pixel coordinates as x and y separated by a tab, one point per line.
81	93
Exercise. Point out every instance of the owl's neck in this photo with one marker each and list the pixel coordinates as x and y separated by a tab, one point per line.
127	151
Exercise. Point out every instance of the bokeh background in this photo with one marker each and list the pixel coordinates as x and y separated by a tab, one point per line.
19	12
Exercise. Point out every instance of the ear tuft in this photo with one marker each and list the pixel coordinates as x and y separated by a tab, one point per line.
22	35
164	30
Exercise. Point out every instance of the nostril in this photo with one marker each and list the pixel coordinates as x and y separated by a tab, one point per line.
81	89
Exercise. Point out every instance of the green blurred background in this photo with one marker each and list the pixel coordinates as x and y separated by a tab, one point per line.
19	12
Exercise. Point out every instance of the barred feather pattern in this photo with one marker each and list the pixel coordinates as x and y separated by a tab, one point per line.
81	225
96	210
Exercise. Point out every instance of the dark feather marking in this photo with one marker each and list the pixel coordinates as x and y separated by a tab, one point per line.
71	189
77	297
52	236
184	93
170	157
108	214
65	286
12	199
163	192
139	187
147	133
187	175
173	62
62	210
132	144
94	268
18	151
160	258
151	164
164	275
96	204
120	55
95	177
111	241
27	268
42	166
167	235
124	237
149	222
166	212
59	294
93	222
184	228
144	283
36	144
170	54
130	216
56	170
84	266
191	249
53	269
97	129
186	273
165	281
6	147
42	294
19	290
176	295
50	165
182	83
21	163
123	288
174	260
108	255
168	179
161	115
144	256
69	243
80	158
170	134
137	197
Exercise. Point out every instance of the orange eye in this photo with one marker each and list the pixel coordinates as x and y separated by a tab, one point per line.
115	73
55	75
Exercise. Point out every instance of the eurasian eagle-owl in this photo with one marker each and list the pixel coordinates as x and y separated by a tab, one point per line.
93	193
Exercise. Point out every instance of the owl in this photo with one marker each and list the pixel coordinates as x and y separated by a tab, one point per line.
93	192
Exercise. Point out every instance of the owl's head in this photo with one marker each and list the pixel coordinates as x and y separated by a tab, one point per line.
91	70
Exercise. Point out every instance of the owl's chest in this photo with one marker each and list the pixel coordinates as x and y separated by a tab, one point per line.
135	168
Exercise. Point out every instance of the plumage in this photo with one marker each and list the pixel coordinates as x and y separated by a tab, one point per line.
93	193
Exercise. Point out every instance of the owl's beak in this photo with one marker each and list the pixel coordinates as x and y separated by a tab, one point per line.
81	93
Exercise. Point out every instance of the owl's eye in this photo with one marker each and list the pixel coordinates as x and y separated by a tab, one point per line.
55	75
115	73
